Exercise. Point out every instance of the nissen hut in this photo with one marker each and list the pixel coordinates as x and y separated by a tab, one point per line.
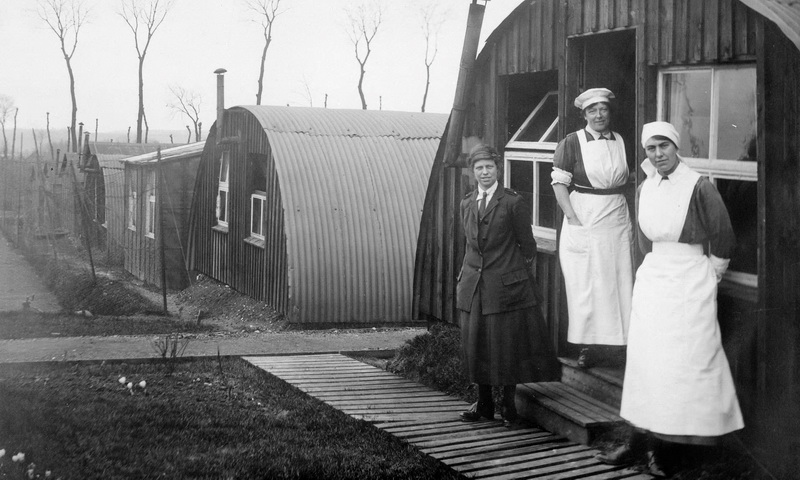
315	211
158	196
724	72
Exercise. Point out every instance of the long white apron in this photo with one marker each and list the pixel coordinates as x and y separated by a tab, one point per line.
677	377
596	256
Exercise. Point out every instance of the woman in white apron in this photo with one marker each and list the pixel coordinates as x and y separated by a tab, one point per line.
678	386
590	171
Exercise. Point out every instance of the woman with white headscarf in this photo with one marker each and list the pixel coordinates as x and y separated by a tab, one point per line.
678	387
589	179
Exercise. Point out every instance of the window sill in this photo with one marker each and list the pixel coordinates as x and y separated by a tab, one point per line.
256	242
545	245
220	228
150	235
132	228
736	290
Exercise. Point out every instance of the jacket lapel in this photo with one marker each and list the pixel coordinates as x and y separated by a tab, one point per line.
500	192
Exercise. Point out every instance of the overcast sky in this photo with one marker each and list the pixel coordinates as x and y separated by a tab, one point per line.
310	48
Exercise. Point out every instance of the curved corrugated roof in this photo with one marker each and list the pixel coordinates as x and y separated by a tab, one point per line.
785	14
352	185
168	154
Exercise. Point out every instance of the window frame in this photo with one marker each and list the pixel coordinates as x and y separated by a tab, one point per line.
150	206
536	157
513	143
714	168
133	199
223	186
262	197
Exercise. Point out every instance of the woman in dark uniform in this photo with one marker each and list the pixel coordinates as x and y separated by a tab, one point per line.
503	331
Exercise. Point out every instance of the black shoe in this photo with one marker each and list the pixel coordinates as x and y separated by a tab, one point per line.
583	358
621	455
474	415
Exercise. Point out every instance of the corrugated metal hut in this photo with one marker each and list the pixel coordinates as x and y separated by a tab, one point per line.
726	67
104	185
315	211
159	187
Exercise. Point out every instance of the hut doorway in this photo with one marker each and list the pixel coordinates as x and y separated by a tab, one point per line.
605	60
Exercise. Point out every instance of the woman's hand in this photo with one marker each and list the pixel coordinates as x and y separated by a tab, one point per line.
574	221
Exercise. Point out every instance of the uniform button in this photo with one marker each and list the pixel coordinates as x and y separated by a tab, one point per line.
479	270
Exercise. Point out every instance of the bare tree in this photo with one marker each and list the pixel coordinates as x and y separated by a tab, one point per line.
6	105
267	11
307	91
432	20
187	102
143	18
65	18
364	21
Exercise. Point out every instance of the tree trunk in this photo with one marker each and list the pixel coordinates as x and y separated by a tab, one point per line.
361	89
140	115
427	86
74	120
50	141
14	135
261	71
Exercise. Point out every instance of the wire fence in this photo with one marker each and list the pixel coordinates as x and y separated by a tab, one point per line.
57	210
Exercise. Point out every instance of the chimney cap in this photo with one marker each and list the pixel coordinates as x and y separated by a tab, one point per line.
220	71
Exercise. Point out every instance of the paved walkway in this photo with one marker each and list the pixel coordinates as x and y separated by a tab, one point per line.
133	347
18	283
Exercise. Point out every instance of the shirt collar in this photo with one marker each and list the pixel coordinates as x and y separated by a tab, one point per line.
592	134
676	174
489	191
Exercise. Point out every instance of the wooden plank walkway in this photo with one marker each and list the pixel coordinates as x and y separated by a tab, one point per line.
429	420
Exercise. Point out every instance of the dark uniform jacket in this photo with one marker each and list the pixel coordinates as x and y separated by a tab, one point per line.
500	246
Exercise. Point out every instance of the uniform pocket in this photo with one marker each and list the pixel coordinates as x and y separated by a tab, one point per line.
517	287
574	238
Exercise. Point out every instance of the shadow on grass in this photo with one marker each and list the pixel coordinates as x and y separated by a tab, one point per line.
195	419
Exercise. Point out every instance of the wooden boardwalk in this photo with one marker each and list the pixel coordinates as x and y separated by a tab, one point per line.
429	420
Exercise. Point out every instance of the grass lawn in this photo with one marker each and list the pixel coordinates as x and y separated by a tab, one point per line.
194	419
15	325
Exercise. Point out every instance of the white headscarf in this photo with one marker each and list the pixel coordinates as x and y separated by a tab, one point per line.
664	129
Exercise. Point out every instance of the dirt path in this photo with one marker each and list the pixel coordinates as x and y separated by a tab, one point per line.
19	283
121	347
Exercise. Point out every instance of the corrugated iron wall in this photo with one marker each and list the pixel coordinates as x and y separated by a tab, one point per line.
344	199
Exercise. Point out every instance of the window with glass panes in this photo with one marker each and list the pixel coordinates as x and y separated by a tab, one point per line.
257	202
529	160
223	191
150	215
714	110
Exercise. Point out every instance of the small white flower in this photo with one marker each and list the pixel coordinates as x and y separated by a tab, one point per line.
2	453
122	380
143	384
47	473
20	457
129	385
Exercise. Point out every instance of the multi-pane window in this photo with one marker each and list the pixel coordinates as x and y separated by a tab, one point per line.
714	109
257	203
529	161
528	173
132	199
223	191
150	216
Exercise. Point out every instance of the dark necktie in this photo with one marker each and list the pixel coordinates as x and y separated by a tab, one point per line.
603	137
482	205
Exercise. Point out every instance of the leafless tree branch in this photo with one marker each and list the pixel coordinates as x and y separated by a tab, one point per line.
188	103
267	11
364	20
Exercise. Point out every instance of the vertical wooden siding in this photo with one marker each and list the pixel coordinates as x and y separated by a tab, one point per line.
778	389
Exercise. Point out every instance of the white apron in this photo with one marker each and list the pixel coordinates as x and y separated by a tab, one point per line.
677	378
596	257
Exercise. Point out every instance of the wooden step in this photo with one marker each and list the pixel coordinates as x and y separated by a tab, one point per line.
602	383
565	410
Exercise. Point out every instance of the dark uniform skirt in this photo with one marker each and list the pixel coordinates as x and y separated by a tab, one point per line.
507	348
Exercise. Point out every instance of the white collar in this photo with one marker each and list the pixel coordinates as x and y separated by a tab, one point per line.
489	191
